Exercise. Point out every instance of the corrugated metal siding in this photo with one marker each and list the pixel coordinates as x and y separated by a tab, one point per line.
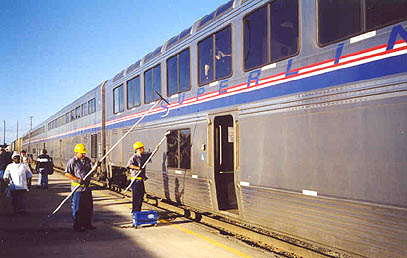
177	188
363	229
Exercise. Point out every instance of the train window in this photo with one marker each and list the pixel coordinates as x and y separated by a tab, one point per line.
133	92
215	65
152	83
172	42
178	73
206	19
67	117
330	12
223	53
118	99
357	17
380	13
84	109
92	106
222	9
78	112
72	115
93	145
179	149
271	33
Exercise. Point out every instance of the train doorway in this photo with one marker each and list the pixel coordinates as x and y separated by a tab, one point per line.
224	163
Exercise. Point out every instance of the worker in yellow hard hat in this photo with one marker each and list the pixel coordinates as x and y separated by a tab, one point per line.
82	203
138	173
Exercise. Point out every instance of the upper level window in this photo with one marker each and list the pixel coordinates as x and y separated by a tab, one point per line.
215	56
78	112
92	106
72	115
356	17
179	149
271	33
152	83
67	117
118	99
133	92
84	109
179	73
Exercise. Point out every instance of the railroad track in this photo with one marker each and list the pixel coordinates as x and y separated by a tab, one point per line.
252	235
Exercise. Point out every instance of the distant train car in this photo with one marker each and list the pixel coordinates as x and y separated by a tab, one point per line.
286	114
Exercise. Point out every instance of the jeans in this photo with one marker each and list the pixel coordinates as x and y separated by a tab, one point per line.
18	200
42	178
138	192
82	208
2	184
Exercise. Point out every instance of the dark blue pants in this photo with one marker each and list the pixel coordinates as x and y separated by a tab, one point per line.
82	208
18	200
138	192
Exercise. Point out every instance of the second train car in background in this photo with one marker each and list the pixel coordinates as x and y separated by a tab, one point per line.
286	114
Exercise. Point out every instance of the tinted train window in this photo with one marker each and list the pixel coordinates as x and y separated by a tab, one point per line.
330	12
380	13
78	112
279	19
118	100
179	149
84	109
215	56
356	17
152	83
92	106
133	92
178	73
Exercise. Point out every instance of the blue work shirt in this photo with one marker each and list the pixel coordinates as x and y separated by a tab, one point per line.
79	168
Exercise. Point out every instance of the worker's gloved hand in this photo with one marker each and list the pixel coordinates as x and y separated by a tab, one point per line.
98	163
81	181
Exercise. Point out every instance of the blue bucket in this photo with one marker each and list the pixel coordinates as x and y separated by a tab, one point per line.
144	218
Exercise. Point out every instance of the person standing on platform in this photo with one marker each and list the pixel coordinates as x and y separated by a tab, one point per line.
17	174
4	161
43	166
82	203
27	160
135	164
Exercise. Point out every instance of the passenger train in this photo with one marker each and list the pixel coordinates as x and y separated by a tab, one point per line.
286	114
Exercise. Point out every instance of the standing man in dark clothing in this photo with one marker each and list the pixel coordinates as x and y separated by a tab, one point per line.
4	161
43	166
82	203
135	164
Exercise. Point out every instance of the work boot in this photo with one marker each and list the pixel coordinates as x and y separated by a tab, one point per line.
90	227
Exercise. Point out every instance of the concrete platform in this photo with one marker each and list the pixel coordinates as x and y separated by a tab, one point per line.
174	235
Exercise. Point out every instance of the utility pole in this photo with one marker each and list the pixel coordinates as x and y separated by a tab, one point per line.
4	133
29	140
17	147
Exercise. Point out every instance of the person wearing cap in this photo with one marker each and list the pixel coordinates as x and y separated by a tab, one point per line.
27	160
43	166
17	174
82	203
138	174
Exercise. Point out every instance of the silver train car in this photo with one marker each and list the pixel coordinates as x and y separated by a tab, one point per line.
287	114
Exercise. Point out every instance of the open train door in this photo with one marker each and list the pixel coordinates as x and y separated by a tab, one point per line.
224	163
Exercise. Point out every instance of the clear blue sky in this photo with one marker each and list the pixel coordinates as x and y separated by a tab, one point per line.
53	51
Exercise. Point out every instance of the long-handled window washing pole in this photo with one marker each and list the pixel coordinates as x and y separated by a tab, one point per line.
107	154
149	158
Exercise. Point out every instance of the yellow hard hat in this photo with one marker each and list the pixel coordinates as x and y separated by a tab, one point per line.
137	145
80	148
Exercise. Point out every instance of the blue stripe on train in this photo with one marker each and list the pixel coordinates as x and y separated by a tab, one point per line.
375	69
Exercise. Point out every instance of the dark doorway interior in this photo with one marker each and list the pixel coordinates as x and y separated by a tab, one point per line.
224	163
